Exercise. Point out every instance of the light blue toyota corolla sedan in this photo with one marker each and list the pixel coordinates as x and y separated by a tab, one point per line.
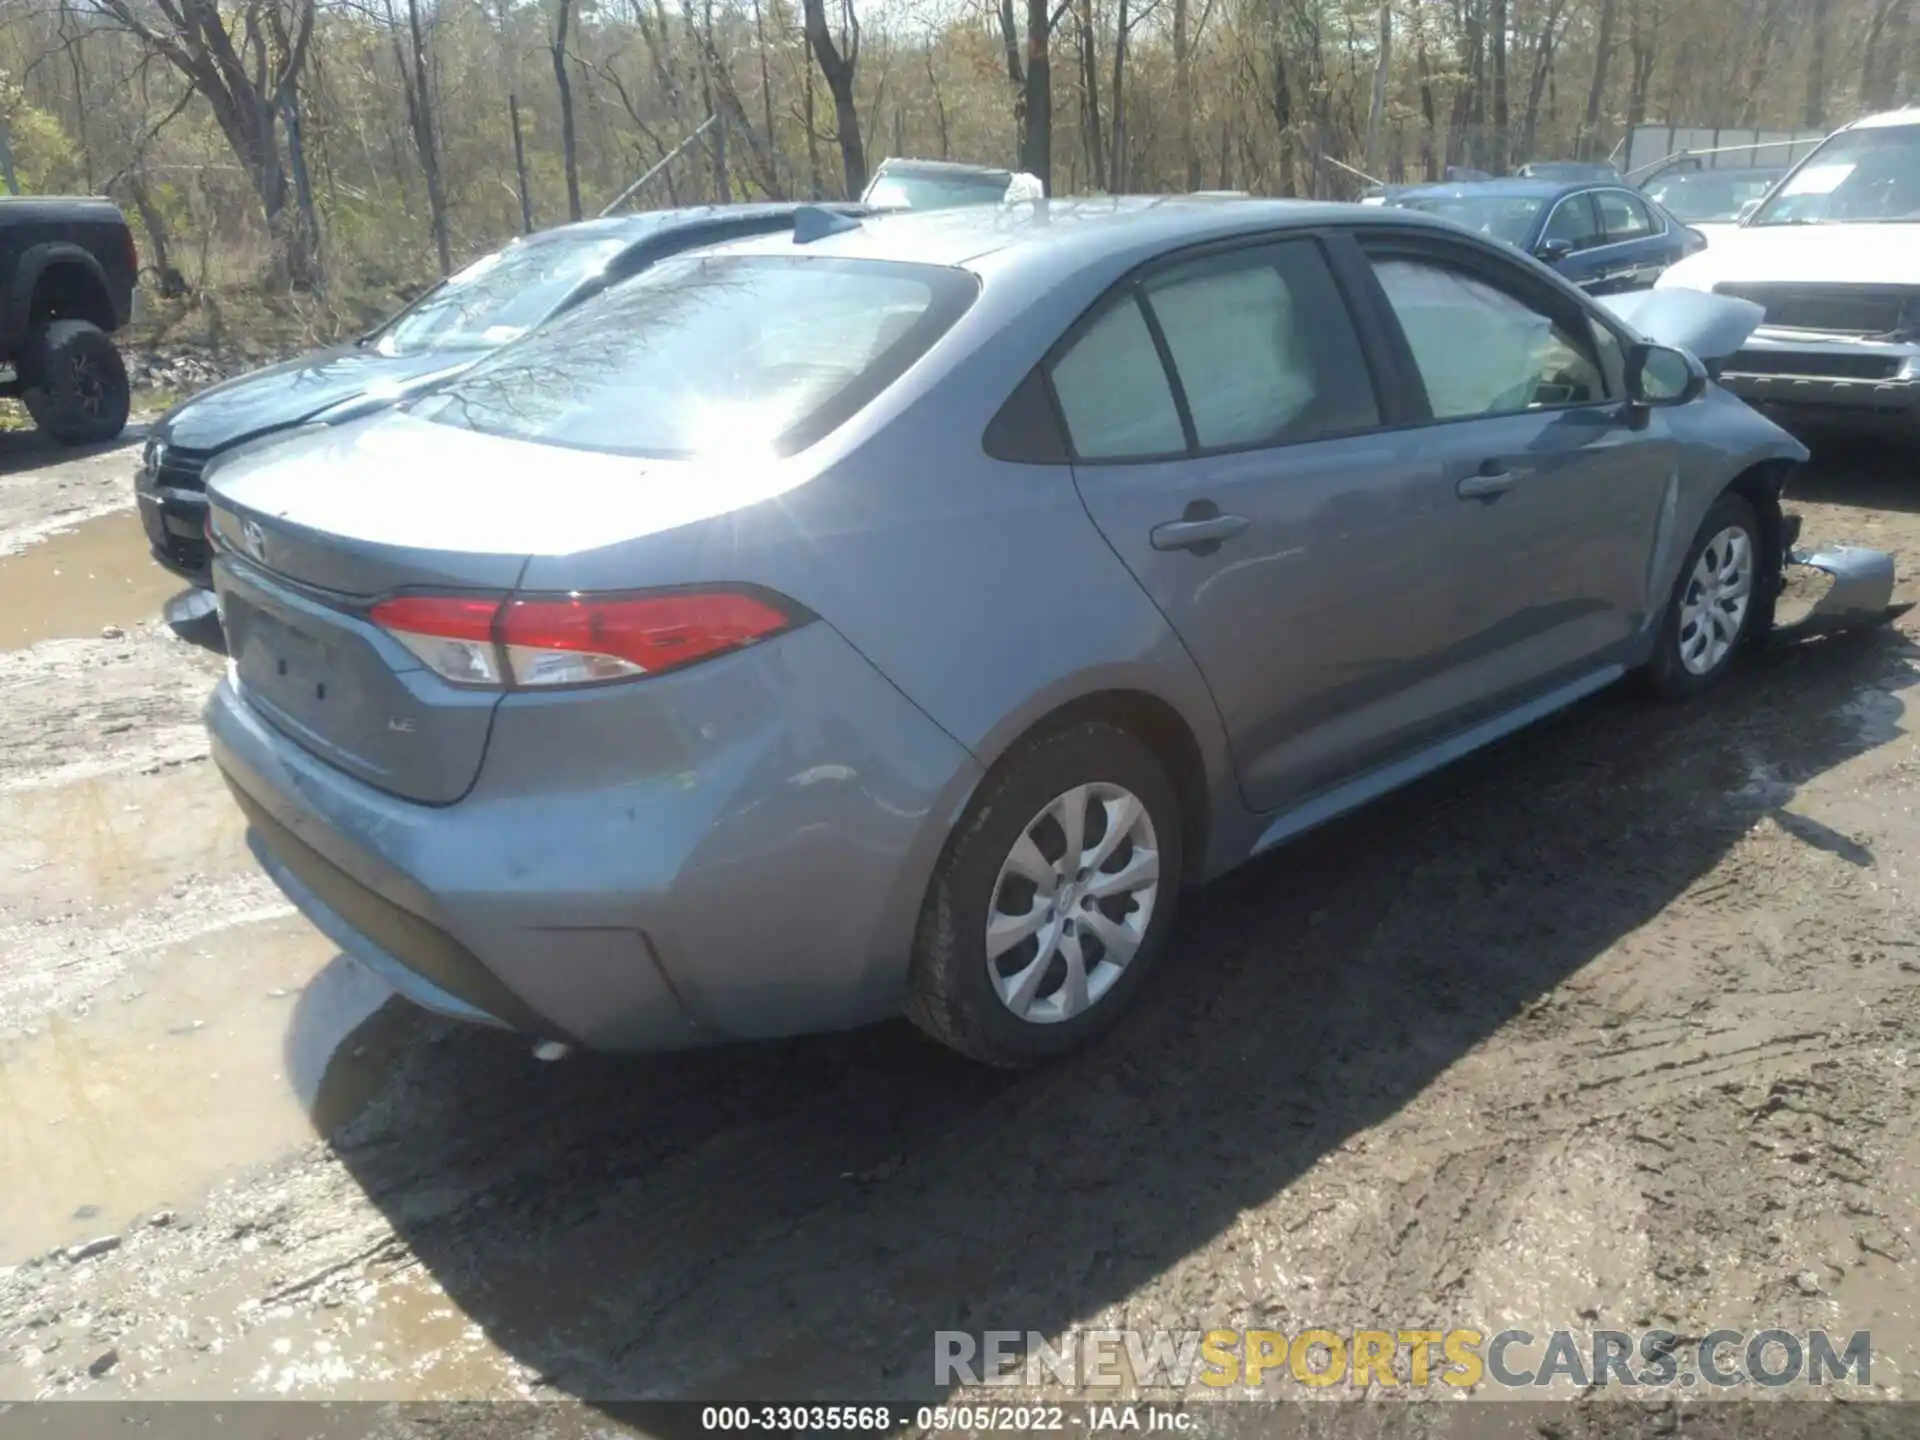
892	616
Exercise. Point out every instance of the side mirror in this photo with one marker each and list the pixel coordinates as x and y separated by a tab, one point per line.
1746	210
1554	251
1660	375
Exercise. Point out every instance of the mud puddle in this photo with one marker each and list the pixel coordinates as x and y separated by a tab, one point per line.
81	581
200	1061
119	839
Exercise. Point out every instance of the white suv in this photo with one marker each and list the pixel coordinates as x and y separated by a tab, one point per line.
1833	254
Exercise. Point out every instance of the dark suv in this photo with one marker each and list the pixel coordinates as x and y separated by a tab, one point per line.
68	279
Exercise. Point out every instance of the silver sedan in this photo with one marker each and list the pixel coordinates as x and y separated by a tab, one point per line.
893	616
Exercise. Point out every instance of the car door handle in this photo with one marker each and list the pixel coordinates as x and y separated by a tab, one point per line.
1192	534
1486	485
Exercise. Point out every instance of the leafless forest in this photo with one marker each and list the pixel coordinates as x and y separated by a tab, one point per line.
332	145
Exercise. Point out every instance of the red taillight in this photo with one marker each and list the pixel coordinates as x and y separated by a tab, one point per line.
574	639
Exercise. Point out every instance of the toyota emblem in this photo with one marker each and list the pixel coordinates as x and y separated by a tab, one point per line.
254	540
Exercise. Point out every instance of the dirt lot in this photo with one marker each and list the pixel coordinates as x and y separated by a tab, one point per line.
1614	1026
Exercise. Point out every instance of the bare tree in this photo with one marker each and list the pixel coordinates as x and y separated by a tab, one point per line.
1091	129
839	60
1643	33
245	73
1596	93
1816	108
1036	148
416	84
1497	47
1883	53
1117	150
1543	55
569	145
1377	102
1183	95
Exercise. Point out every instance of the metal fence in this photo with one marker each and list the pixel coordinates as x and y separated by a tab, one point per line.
1717	149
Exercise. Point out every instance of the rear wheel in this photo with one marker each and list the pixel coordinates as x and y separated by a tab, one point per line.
1711	613
1053	899
76	389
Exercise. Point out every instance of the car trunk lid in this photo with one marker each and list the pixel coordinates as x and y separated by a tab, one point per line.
312	531
317	528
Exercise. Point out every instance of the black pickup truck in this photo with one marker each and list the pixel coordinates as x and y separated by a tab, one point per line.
68	279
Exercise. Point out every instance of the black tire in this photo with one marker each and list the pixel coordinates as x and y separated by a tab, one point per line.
77	390
1667	674
951	996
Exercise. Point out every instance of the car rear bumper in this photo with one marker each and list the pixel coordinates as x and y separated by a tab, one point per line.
768	885
1801	376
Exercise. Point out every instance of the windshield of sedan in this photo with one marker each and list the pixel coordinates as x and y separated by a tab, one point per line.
497	298
733	355
1504	217
1710	195
1869	176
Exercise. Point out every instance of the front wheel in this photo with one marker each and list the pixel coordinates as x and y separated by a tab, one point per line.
77	390
1711	612
1052	901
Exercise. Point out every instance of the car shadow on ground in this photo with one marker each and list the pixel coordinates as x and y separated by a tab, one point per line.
798	1220
23	450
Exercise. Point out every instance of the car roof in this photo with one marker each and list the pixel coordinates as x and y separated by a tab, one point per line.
1730	172
647	224
1887	119
1067	229
1516	187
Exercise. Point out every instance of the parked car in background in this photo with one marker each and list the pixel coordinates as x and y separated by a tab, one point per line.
466	316
1568	171
1454	175
941	184
1833	254
70	277
800	634
1606	238
1710	199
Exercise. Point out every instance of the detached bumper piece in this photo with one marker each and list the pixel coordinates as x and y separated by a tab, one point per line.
1861	594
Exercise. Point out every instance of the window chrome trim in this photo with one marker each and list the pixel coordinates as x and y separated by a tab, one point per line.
1658	218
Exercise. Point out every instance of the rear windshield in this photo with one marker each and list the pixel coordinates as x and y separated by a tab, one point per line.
497	298
1504	217
704	355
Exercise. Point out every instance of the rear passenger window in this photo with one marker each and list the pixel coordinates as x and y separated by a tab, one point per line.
1624	217
1113	390
1263	347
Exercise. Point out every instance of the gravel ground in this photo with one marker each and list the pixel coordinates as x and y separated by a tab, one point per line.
1611	1027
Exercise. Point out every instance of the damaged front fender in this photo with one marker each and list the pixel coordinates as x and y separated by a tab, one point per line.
1861	593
